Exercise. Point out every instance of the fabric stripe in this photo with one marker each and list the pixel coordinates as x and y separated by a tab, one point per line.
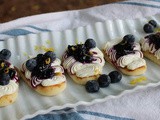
40	29
63	116
154	0
104	115
139	4
16	32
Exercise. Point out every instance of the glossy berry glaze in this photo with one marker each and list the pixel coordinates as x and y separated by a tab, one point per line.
154	39
126	47
81	52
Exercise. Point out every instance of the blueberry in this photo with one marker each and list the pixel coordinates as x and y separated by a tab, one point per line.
39	58
49	73
12	73
5	54
115	76
129	39
71	50
4	79
92	86
50	54
88	59
128	47
153	23
104	80
148	28
118	47
90	43
31	64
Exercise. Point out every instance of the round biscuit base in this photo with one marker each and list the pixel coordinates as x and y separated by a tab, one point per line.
8	99
151	56
46	90
126	71
83	81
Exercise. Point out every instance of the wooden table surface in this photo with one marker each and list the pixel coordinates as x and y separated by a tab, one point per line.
13	9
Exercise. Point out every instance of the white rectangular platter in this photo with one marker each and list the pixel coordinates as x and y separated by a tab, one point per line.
30	103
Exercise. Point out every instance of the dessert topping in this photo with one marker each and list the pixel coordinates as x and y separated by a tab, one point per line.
154	39
40	67
81	51
125	47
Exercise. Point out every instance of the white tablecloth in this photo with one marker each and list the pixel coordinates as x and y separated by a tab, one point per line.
141	104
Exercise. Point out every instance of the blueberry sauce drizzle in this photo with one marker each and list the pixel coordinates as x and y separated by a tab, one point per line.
123	49
40	67
81	52
154	39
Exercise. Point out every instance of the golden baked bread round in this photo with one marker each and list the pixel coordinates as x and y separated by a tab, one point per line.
83	81
46	90
151	56
126	71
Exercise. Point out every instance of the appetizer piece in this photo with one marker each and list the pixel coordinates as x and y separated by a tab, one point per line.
150	45
83	62
44	74
9	85
125	55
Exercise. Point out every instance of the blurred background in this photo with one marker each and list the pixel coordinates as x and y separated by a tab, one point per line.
13	9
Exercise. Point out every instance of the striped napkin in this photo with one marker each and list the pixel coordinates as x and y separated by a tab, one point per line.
140	104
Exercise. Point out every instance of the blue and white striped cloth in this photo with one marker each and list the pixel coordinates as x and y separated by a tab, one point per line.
140	105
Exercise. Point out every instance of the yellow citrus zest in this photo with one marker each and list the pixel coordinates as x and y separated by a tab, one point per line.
138	80
38	48
48	42
157	29
76	41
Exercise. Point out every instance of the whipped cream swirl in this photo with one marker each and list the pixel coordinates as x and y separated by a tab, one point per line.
84	69
56	79
130	61
8	89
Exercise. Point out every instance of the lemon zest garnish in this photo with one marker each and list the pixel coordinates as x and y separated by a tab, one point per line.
138	80
157	29
76	41
25	54
28	56
96	71
43	47
48	42
38	48
48	49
